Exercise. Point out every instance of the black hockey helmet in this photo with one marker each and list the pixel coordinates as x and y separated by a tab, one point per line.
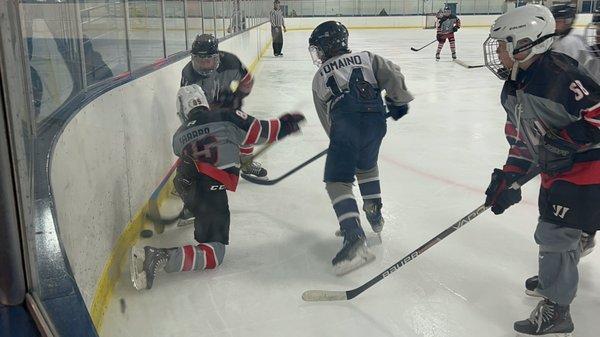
205	45
205	54
327	40
564	11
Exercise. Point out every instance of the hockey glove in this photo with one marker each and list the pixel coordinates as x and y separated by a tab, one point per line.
396	111
289	124
555	154
498	193
455	29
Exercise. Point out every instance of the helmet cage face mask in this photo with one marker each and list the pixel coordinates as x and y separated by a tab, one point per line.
205	64
492	60
316	54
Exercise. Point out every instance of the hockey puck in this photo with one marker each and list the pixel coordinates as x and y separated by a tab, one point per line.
146	233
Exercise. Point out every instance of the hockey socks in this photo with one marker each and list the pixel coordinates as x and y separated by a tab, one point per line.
192	258
370	190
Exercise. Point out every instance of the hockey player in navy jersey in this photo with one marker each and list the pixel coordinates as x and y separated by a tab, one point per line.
347	96
208	145
553	121
446	25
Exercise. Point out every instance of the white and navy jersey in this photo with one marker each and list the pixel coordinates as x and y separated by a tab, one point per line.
574	45
211	142
553	95
446	24
217	84
353	83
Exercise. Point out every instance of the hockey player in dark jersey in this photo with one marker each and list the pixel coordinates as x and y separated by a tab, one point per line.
208	145
347	96
447	24
553	122
224	79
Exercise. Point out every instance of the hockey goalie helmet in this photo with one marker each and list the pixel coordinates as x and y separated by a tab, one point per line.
564	15
327	40
189	98
592	34
205	54
523	32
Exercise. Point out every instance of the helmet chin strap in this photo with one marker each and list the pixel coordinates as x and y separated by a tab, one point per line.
514	71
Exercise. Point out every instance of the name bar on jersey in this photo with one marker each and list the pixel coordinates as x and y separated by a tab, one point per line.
340	63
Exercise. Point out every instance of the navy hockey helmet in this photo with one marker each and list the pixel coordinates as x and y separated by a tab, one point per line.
327	40
205	54
564	14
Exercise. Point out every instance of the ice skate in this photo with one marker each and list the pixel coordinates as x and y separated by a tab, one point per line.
354	253
145	263
454	56
372	210
547	319
587	243
531	286
255	169
437	57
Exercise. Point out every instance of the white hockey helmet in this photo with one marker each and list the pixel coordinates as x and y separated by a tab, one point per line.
526	28
189	98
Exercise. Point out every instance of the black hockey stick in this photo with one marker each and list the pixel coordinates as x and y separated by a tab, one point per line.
468	66
260	181
337	295
415	49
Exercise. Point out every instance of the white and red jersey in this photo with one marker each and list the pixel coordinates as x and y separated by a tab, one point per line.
447	24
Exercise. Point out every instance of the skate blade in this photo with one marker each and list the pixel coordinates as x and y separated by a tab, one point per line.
533	293
361	259
185	222
136	268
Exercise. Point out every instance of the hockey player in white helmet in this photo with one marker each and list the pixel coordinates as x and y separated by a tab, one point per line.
208	145
553	122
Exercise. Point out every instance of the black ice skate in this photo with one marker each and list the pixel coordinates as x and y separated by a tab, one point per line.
454	56
372	208
587	243
145	263
531	286
437	57
354	253
548	318
255	169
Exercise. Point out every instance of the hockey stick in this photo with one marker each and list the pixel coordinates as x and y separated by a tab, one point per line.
415	49
468	66
336	295
268	182
260	181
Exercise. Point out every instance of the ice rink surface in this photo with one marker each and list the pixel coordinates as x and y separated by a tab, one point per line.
435	164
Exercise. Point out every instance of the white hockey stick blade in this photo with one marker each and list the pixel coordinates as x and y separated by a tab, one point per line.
468	66
323	295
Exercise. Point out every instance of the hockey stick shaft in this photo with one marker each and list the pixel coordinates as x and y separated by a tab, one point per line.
415	49
324	295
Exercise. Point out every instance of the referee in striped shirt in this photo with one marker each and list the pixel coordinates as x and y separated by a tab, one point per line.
276	18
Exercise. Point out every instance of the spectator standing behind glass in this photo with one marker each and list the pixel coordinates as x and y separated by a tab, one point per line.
236	24
277	24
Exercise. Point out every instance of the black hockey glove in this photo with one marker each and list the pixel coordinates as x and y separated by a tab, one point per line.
396	111
289	124
555	154
455	29
228	99
498	193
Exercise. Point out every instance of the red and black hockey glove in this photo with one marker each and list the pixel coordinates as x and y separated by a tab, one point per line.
498	193
290	123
